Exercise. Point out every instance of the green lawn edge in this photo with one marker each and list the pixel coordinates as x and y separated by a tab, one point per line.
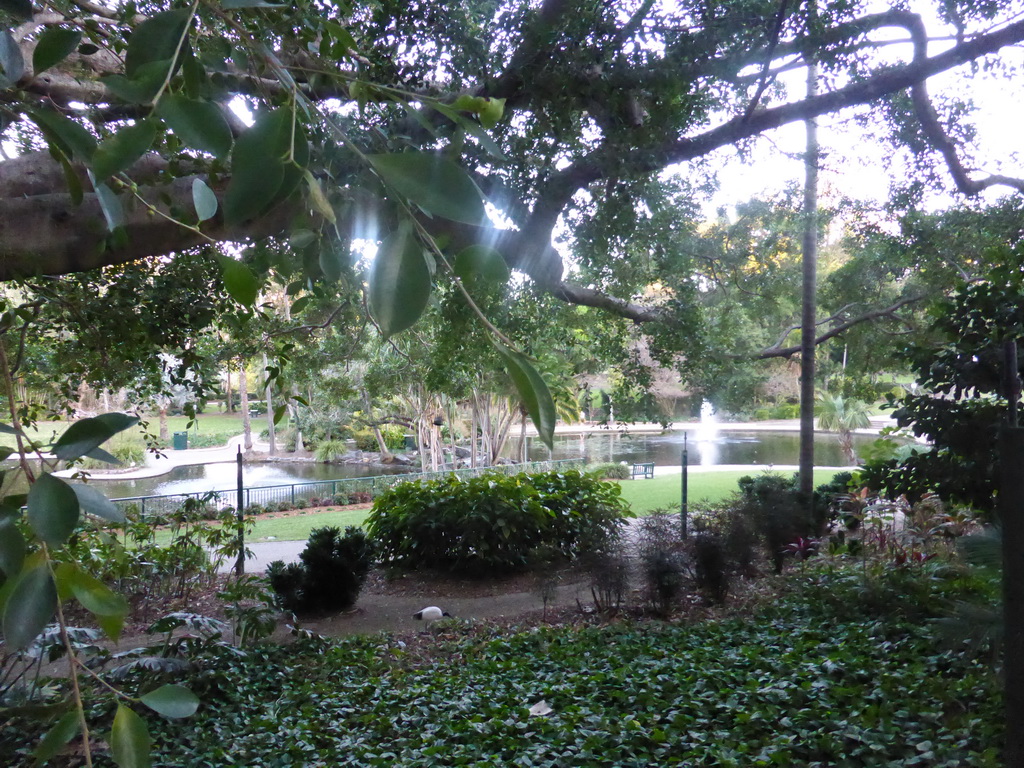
643	497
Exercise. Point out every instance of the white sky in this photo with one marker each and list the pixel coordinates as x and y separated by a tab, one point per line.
853	163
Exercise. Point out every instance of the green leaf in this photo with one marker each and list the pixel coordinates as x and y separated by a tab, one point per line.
20	8
68	136
481	262
279	412
172	701
85	435
318	199
100	455
55	45
239	281
62	732
94	502
332	259
533	392
75	191
95	596
53	510
11	61
129	739
204	200
120	151
157	39
399	282
111	625
434	183
110	203
257	169
30	606
142	88
199	124
12	548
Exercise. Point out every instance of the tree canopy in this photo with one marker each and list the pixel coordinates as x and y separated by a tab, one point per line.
387	121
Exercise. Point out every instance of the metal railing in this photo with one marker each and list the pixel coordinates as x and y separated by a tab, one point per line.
327	489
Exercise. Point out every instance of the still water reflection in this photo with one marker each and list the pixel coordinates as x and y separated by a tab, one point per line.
705	447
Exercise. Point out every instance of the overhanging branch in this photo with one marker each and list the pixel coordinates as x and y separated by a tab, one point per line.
839	328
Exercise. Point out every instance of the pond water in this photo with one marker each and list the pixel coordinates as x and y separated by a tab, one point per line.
705	447
220	477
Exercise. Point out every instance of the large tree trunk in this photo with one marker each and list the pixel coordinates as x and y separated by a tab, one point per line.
809	305
243	393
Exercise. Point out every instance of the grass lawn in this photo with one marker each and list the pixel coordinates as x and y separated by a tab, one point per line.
213	422
297	527
665	490
643	497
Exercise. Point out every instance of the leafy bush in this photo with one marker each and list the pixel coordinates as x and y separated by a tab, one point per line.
394	438
662	564
329	450
492	522
330	575
610	470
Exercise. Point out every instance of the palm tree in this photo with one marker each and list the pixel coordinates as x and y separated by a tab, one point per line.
843	415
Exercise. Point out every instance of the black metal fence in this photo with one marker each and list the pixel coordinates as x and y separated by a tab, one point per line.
327	489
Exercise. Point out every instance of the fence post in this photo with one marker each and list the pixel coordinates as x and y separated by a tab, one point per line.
293	494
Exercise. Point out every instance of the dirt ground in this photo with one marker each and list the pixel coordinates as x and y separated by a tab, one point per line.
388	605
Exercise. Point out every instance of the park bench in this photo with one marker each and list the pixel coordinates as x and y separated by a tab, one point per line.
641	470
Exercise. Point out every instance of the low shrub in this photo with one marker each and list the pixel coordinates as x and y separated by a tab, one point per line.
662	563
394	438
492	522
329	450
610	471
330	574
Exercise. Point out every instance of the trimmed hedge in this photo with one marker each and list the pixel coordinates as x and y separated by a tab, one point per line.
492	522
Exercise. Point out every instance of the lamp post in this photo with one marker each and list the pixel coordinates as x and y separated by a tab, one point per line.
683	507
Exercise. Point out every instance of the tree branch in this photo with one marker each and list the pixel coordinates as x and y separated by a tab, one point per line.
875	314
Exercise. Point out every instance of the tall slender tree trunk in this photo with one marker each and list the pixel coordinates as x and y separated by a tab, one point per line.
271	431
243	393
472	435
230	396
382	446
293	414
809	303
165	434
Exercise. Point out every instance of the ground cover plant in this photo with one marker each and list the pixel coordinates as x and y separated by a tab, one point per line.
795	683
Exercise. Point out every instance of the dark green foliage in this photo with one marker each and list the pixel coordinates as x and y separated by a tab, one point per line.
492	522
661	549
772	503
799	686
394	438
711	565
965	366
331	574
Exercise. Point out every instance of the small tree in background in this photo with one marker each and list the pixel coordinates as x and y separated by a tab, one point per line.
843	415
